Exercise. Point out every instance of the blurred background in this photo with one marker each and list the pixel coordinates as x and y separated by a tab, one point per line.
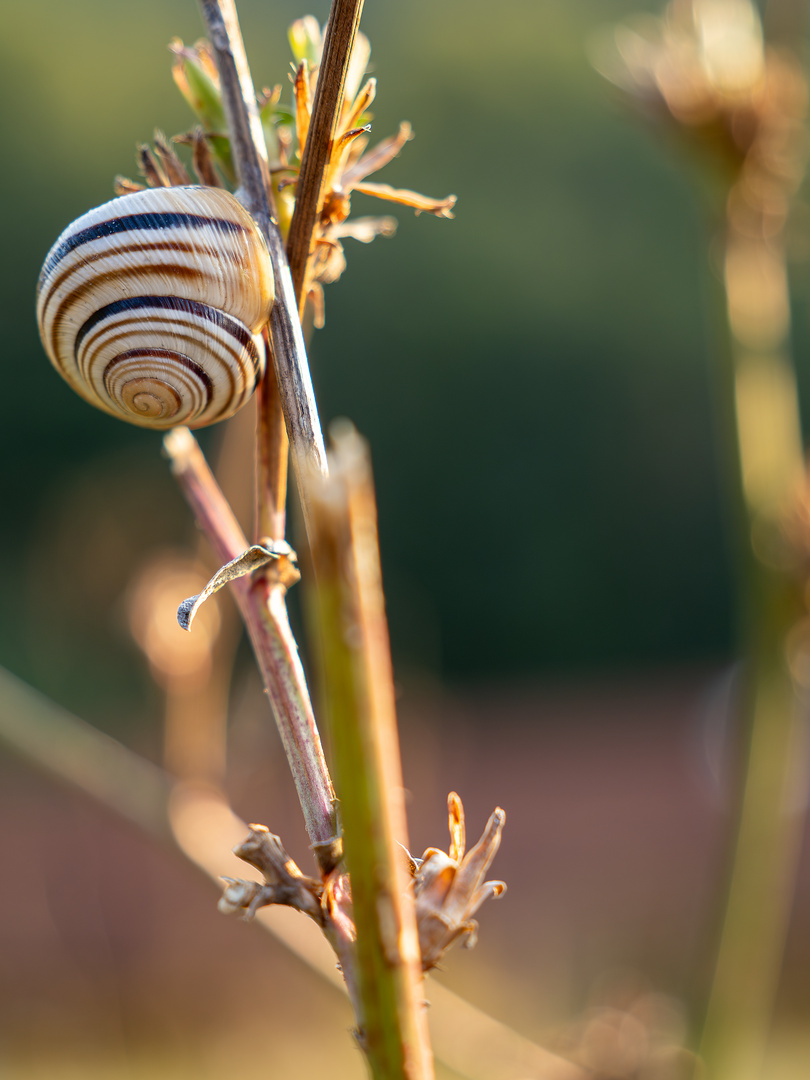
533	380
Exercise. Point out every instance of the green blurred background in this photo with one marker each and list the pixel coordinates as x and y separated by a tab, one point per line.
532	376
533	380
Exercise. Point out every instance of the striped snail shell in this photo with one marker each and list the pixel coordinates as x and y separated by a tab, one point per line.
151	306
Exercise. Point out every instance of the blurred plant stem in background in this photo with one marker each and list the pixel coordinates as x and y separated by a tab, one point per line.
764	448
705	67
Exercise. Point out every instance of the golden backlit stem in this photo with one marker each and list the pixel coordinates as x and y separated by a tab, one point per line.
250	157
341	31
81	757
766	399
186	666
235	452
196	708
761	388
273	443
359	693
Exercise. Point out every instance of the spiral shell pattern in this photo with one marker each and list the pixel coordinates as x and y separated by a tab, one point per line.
151	306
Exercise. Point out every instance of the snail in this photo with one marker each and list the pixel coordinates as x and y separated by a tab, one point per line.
151	306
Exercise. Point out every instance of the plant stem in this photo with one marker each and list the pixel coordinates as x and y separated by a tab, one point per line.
360	695
303	426
272	451
341	30
250	159
261	603
79	755
758	394
272	440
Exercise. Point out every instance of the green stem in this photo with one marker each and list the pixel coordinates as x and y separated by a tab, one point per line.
758	402
360	696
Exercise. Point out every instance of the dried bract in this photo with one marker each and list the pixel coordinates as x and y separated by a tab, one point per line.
284	882
285	131
449	886
350	161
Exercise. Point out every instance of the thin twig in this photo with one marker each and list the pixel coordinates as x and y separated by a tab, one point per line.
79	755
341	30
250	158
261	602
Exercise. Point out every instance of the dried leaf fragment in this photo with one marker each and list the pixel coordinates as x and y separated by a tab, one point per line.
256	557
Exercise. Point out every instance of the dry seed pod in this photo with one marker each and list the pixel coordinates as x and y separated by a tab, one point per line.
151	306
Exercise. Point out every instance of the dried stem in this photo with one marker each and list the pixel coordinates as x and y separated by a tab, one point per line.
341	30
360	695
272	440
261	603
250	158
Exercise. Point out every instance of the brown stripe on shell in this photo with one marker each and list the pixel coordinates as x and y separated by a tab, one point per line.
186	273
77	265
174	331
182	247
240	376
242	361
182	386
213	250
191	402
142	221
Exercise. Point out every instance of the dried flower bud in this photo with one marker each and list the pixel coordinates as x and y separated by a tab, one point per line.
448	886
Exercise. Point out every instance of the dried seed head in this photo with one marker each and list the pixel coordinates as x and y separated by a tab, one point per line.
449	887
705	67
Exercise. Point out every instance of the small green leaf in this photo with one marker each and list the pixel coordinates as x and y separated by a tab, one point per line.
305	40
201	92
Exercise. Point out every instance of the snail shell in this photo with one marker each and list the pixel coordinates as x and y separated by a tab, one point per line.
151	305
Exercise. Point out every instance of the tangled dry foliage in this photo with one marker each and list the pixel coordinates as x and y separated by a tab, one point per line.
352	160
